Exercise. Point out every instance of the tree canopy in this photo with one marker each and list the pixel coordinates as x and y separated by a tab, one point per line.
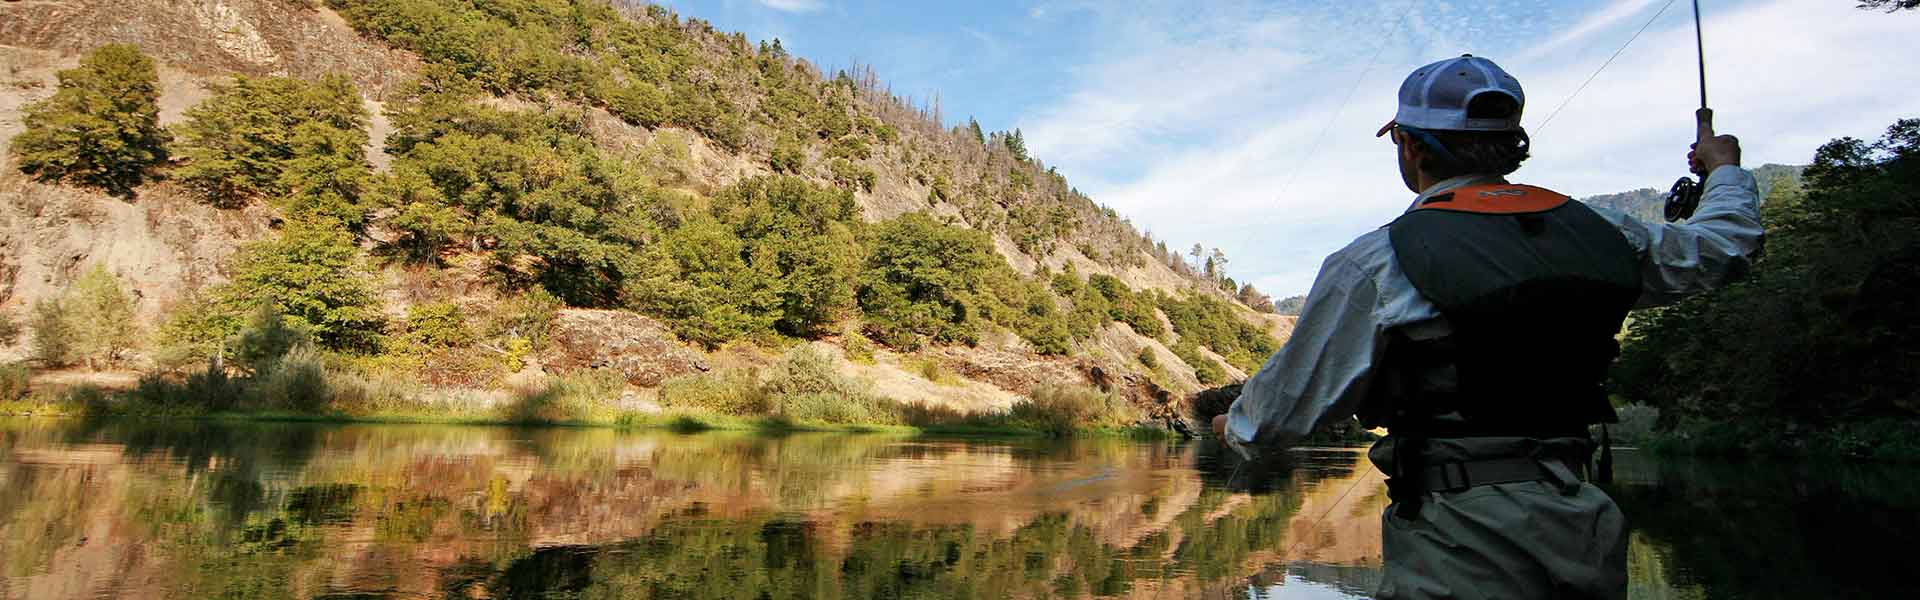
101	128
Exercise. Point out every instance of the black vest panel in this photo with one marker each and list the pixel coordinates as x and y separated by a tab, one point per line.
1534	294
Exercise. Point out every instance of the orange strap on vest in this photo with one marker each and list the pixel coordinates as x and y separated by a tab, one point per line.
1496	199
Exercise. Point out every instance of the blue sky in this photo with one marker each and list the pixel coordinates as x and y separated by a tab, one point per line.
1248	125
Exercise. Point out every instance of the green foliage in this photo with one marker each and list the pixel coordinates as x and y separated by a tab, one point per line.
527	316
728	392
530	185
101	128
275	137
1208	321
296	381
859	349
1017	146
1204	369
650	72
1063	409
1123	305
15	381
267	338
9	330
1037	229
312	275
770	253
1822	333
789	157
434	325
101	315
1148	358
850	175
53	331
923	281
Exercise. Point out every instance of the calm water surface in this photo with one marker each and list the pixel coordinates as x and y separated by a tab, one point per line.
194	510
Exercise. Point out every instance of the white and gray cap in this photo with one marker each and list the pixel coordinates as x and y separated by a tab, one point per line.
1436	96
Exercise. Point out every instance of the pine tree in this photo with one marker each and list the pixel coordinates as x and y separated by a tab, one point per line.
978	135
102	128
1017	145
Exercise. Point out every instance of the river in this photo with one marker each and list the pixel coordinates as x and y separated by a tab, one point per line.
187	509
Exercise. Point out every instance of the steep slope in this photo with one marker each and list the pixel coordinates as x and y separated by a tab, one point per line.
694	110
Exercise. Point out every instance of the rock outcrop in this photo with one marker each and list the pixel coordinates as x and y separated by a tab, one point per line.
642	350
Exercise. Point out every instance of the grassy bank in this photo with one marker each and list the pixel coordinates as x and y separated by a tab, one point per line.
803	392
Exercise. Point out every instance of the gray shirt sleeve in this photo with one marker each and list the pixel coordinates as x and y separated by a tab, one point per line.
1323	371
1711	249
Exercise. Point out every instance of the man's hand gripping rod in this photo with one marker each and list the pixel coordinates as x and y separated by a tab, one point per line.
1684	196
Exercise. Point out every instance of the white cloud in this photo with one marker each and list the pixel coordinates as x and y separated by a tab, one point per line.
1203	129
794	5
1593	23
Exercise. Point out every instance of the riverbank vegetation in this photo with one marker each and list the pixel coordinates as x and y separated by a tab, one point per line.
499	181
1818	350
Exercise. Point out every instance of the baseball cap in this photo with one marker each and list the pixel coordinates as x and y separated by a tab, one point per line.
1436	96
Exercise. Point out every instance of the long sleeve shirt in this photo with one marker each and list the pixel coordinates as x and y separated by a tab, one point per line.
1323	372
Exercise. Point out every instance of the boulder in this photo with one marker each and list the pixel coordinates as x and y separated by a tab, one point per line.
641	349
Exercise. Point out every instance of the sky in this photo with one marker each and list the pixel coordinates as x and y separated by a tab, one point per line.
1248	125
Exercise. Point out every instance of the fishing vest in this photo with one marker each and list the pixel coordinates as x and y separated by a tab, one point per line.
1534	287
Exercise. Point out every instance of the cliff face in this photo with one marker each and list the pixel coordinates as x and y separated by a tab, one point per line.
166	244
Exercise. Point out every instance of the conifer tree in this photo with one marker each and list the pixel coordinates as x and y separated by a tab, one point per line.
101	128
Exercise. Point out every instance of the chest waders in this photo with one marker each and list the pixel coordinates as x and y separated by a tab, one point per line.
1533	287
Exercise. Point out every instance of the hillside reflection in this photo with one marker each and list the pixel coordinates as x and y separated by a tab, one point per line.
296	511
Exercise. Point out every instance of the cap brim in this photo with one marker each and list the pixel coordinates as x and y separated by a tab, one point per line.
1385	128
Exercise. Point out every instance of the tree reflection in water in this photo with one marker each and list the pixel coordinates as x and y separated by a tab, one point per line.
198	510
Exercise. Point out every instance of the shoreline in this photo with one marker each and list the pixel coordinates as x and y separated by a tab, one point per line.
674	421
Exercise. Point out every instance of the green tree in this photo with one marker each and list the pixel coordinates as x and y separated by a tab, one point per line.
101	312
802	237
278	136
9	330
311	274
1017	145
1822	334
267	338
53	332
101	128
978	135
921	282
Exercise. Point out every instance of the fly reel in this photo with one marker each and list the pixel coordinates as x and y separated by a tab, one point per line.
1682	199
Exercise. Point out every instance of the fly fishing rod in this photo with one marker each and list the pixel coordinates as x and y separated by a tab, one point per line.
1685	194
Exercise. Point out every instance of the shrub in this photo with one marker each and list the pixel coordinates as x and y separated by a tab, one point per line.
933	371
1148	358
438	325
15	381
1204	369
9	330
267	339
859	349
849	175
788	157
527	316
1062	409
572	398
1204	320
101	128
53	332
298	382
101	313
728	392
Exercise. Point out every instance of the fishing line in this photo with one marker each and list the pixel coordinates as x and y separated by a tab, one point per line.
1603	67
1342	107
1315	526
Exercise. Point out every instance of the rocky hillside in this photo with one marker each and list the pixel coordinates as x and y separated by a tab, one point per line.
1649	204
677	131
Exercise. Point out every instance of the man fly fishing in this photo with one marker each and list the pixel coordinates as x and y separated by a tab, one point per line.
1478	328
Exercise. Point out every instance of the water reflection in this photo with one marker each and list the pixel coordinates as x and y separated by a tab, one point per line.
196	510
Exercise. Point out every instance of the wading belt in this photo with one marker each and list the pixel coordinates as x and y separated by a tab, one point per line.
1456	476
